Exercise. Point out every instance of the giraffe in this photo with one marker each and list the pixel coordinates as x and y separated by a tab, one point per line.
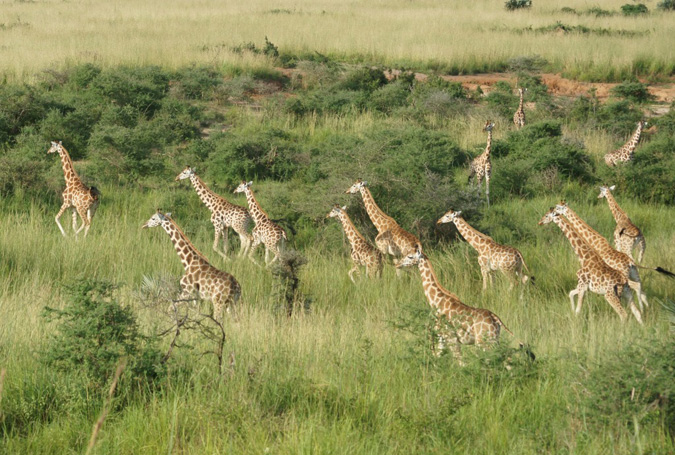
491	255
201	278
481	166
265	231
391	239
224	214
456	323
83	200
594	275
613	258
519	116
362	252
626	234
625	153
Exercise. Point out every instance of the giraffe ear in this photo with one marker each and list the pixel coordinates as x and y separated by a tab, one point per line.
249	183
60	143
167	214
365	183
53	143
344	207
458	212
611	188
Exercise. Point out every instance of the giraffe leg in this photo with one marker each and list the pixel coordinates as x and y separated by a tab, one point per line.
64	206
90	215
641	245
245	243
351	273
226	245
216	237
251	250
487	190
637	313
85	221
615	303
74	220
636	286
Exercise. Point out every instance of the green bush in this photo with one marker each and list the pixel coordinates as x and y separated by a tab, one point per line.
140	87
511	5
632	91
634	10
666	5
196	82
363	80
94	332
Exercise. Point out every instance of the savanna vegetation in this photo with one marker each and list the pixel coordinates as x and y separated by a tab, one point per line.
351	369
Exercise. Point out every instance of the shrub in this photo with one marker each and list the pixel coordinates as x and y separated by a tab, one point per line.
94	333
364	79
141	87
634	10
511	5
666	5
633	91
196	82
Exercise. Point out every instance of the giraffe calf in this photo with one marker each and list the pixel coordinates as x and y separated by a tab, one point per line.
362	252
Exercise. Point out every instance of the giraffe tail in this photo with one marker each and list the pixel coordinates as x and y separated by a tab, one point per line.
529	276
521	345
95	193
661	270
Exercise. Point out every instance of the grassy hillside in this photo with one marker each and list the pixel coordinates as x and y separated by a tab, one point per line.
593	42
352	370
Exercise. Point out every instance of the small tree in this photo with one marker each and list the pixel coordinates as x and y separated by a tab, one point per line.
517	4
286	271
95	332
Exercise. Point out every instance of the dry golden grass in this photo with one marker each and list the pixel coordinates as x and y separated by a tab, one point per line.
44	34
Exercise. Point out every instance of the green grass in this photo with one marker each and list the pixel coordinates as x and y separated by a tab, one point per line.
461	38
352	375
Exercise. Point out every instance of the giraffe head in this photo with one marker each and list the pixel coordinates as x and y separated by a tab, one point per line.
335	213
642	124
411	259
56	147
356	187
242	187
522	91
488	126
549	217
187	173
605	190
561	209
449	217
156	220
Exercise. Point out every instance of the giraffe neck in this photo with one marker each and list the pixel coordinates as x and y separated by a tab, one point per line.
488	147
432	288
189	255
382	221
593	237
350	230
581	248
632	144
208	197
619	215
475	238
69	173
520	105
254	209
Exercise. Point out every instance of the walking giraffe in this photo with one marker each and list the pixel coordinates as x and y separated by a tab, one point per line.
625	153
456	323
265	231
491	255
224	214
519	116
391	239
83	200
362	252
481	166
613	258
201	279
594	275
626	234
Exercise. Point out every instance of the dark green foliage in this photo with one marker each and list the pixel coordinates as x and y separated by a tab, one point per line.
525	64
539	147
140	87
94	333
286	270
511	5
562	28
196	82
363	80
252	155
616	117
593	11
502	99
633	385
666	5
634	10
536	90
632	91
391	96
19	106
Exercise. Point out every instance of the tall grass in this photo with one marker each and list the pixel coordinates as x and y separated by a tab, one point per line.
353	374
464	37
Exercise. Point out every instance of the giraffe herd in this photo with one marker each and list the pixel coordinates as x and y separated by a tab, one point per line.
604	270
